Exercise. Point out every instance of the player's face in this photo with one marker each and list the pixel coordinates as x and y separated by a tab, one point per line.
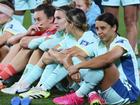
105	31
42	20
3	18
60	20
81	5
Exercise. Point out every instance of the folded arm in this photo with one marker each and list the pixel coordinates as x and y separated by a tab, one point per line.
101	61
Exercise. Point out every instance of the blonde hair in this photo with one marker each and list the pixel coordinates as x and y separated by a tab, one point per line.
78	18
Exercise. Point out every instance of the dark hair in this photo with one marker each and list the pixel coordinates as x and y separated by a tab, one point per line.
109	19
78	18
48	9
64	8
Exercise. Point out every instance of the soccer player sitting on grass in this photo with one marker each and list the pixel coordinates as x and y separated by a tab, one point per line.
79	36
29	75
16	60
125	89
8	27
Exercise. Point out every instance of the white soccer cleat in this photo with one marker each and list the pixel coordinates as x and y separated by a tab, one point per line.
15	89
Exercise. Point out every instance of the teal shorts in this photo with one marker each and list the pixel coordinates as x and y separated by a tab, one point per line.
119	2
27	4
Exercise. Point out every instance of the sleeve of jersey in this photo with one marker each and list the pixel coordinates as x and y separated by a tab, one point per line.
10	31
87	49
50	43
87	43
122	43
14	28
62	45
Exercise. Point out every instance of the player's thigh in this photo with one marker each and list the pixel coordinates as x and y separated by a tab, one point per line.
130	13
113	10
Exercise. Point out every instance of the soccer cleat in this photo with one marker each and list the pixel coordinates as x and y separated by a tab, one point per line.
70	99
35	93
15	101
95	99
15	89
26	94
26	101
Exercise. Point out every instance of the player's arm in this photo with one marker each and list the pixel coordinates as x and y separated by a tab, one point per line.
33	29
15	39
77	51
48	57
65	56
73	52
3	38
100	61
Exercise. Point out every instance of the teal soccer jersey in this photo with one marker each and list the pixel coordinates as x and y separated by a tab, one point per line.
126	89
13	27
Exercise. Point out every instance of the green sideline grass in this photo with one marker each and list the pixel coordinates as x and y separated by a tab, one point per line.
5	99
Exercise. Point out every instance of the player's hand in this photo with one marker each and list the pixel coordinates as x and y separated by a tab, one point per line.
67	61
76	77
58	55
34	28
73	69
47	58
76	51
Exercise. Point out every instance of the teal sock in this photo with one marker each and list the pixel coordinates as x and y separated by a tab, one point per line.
46	73
84	89
34	75
56	76
27	71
